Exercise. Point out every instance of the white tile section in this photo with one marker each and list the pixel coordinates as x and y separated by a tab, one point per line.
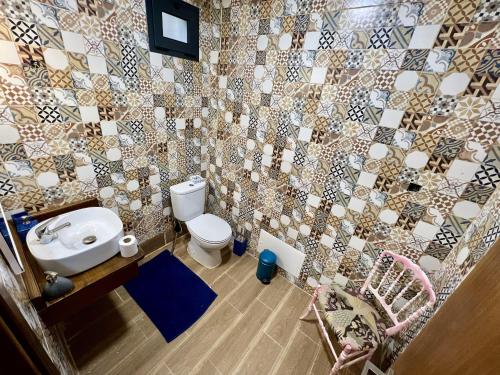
426	230
391	118
8	53
462	170
424	37
454	84
466	209
357	243
73	42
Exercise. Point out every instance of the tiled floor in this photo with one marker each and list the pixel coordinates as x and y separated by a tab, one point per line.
249	329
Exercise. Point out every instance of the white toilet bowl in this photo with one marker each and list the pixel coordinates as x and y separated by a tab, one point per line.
209	234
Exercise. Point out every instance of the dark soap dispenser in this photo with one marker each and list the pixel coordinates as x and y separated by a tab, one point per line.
56	286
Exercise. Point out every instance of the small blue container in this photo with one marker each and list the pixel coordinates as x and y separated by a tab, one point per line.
267	266
23	223
240	245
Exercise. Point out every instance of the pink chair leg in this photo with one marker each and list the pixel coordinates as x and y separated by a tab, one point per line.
342	358
311	303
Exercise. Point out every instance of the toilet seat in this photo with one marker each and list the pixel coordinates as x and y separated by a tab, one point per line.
209	229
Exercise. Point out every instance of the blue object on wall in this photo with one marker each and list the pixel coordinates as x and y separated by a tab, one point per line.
23	223
240	245
266	266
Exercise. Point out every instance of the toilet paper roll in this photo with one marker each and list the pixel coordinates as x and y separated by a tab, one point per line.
128	246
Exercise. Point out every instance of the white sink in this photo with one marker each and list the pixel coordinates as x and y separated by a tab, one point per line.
67	254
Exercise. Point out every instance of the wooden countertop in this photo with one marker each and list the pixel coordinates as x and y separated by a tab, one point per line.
94	275
89	286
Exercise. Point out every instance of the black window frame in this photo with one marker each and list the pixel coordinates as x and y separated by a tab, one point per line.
166	46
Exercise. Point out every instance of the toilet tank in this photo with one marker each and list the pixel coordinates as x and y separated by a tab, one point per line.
188	199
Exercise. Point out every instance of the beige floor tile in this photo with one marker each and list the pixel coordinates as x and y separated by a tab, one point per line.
242	268
261	358
145	357
103	331
108	355
161	369
287	317
228	339
205	368
273	294
323	362
146	325
299	356
311	328
247	292
230	350
97	310
224	286
202	339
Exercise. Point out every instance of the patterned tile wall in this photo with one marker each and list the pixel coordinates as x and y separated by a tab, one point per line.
343	127
86	110
349	127
478	238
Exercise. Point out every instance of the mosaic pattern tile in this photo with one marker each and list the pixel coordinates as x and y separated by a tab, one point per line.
342	127
475	242
87	110
346	128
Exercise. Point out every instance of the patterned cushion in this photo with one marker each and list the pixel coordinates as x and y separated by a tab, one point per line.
353	320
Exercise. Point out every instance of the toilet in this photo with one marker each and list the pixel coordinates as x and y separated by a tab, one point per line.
209	233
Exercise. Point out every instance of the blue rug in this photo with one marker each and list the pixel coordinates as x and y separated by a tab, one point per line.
170	294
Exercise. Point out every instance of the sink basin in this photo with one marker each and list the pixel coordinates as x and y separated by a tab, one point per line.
92	238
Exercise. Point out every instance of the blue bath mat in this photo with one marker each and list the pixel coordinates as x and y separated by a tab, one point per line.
170	294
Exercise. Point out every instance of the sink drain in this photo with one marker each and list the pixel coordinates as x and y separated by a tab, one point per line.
89	239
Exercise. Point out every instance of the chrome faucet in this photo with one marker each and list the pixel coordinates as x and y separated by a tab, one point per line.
46	235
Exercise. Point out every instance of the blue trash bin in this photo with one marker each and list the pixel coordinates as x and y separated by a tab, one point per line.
266	266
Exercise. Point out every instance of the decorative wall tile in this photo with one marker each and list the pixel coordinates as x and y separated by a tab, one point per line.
390	153
72	75
342	127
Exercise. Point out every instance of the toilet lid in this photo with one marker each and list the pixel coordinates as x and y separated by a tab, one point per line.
209	228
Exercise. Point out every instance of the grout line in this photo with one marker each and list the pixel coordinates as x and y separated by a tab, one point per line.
215	367
237	321
135	350
234	307
278	307
208	315
316	357
156	367
232	279
219	339
272	308
262	331
272	338
283	353
296	332
251	344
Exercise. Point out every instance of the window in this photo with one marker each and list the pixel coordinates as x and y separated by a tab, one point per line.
173	28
